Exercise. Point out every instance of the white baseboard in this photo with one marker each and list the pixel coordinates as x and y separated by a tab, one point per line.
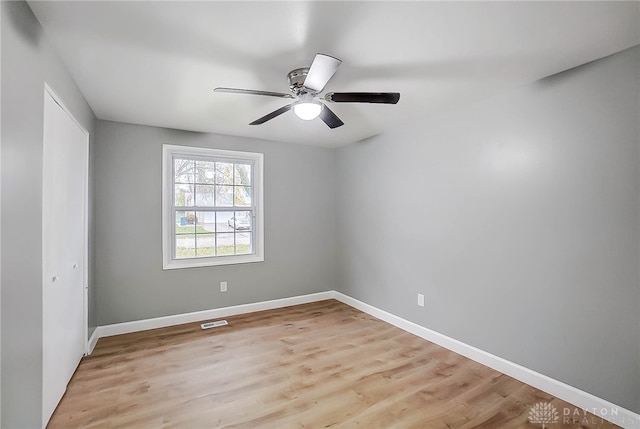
583	400
196	316
93	340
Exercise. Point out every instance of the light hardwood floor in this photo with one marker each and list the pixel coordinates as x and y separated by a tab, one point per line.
319	365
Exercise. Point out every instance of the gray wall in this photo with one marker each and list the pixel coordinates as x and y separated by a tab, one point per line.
518	219
28	62
299	227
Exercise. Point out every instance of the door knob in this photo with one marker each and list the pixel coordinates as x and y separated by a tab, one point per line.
75	266
54	279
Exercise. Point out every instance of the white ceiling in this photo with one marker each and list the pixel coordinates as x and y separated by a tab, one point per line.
156	63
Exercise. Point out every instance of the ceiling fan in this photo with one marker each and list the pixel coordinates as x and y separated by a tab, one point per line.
305	84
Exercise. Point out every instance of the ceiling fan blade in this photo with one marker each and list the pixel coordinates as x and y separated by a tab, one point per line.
321	70
253	92
330	118
363	97
272	115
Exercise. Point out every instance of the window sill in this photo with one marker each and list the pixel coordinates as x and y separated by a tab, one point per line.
177	264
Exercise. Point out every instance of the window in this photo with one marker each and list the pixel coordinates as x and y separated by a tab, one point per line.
212	207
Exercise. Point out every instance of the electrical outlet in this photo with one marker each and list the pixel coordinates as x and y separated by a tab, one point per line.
223	286
421	300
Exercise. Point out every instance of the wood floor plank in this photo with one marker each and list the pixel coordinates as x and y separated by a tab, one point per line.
318	365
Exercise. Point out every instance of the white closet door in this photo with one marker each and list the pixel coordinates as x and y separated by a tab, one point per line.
64	249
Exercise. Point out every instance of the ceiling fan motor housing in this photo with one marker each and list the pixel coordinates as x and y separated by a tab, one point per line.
296	80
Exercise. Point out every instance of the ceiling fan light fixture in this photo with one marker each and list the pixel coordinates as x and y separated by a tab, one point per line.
307	110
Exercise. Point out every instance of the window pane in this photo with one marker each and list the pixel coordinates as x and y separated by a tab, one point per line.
242	196
243	243
183	195
185	246
224	173
225	244
241	220
204	195
224	196
242	174
205	172
224	221
183	170
206	222
205	245
186	223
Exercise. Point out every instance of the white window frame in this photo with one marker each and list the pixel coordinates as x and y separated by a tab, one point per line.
168	218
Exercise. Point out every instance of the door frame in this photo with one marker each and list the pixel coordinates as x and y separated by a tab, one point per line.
85	232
